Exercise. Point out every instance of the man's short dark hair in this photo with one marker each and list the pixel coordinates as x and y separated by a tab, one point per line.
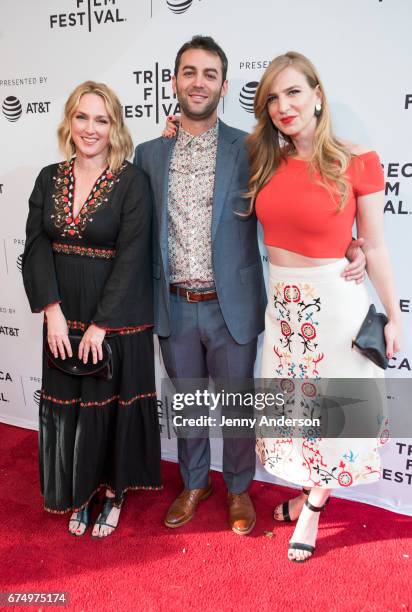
206	43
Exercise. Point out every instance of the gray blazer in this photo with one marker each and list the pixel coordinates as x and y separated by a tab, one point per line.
236	259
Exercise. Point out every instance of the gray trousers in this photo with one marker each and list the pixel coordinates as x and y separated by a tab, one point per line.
200	346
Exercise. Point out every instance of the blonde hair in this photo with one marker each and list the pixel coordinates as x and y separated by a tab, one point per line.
120	141
267	147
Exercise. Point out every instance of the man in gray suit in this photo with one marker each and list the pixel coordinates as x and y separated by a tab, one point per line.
209	291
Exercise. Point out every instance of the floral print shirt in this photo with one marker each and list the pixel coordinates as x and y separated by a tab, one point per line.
191	185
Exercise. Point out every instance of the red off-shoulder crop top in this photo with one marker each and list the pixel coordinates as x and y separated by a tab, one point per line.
300	215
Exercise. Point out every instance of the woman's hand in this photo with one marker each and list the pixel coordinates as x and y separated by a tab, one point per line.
355	270
57	331
172	125
393	333
92	343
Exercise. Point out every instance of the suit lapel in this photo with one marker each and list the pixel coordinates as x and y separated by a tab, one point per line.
161	198
225	160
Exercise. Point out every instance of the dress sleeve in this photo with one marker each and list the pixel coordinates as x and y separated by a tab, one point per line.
367	174
127	300
39	274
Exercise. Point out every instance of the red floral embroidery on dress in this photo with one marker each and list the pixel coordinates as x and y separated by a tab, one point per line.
105	486
75	249
305	312
345	479
63	197
77	325
315	362
122	331
301	454
56	400
59	401
309	389
385	434
308	331
291	293
287	385
285	328
136	397
129	330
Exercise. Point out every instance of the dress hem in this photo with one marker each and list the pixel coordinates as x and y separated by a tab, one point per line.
77	400
106	486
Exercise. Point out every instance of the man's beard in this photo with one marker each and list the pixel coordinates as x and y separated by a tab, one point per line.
207	112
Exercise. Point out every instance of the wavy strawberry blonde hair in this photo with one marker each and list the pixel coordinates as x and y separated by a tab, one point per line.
268	147
120	141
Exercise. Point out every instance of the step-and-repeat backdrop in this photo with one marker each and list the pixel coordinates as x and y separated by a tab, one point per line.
362	50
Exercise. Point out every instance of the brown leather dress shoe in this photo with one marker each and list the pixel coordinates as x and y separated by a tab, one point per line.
242	515
184	507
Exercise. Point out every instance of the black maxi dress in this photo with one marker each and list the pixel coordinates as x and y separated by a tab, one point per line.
95	432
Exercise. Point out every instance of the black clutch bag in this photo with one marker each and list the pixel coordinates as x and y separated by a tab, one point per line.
370	340
75	367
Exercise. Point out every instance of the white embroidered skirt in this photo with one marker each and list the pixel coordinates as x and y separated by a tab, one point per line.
311	318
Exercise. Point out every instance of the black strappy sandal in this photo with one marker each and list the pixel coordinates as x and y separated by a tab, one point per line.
285	510
83	517
107	507
300	545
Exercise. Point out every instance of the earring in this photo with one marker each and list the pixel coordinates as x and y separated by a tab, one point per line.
318	109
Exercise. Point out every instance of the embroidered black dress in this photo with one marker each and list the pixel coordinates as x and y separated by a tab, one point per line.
94	432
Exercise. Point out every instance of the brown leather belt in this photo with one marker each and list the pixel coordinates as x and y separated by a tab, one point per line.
193	296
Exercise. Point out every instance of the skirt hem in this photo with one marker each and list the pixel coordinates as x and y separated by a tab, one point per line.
106	486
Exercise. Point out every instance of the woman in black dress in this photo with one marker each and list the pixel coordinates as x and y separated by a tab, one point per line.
87	265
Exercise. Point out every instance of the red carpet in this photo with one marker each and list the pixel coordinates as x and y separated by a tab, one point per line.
362	562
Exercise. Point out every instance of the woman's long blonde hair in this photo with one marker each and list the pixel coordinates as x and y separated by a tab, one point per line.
267	147
120	141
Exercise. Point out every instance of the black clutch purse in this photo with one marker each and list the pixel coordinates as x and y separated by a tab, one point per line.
370	340
75	367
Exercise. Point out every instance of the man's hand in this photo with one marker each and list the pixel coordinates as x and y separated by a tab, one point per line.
57	331
92	343
355	270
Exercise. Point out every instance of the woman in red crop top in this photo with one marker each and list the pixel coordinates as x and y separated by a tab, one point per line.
308	188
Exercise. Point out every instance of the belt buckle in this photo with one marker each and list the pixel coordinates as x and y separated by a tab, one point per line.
188	298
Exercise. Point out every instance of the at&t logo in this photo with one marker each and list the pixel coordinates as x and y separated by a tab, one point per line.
247	96
13	109
179	6
19	262
9	331
37	396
